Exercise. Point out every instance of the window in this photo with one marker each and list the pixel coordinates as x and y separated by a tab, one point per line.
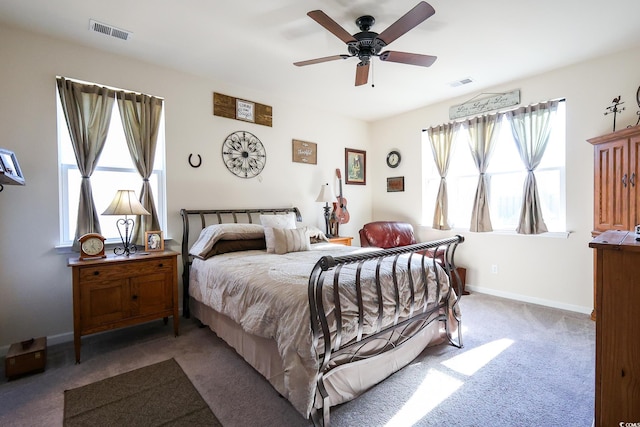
115	171
506	180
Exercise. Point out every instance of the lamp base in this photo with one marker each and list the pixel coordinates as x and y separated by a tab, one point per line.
127	247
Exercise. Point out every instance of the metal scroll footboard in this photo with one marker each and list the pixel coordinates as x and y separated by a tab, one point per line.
328	324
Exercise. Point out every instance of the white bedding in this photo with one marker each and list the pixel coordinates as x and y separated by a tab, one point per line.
267	295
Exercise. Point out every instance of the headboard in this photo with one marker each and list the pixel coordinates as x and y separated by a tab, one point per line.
215	216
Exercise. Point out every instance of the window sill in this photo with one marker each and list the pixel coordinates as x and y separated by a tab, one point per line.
550	234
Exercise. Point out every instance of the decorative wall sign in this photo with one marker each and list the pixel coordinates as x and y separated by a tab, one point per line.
483	105
241	109
304	152
395	183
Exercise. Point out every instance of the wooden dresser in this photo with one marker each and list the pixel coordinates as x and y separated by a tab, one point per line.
617	306
119	291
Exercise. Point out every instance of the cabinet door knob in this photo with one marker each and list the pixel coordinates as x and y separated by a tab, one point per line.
95	273
624	180
632	180
161	265
134	297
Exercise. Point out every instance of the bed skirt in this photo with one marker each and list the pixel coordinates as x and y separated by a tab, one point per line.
343	383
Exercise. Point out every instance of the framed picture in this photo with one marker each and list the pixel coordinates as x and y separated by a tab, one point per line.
355	164
153	241
245	110
304	152
395	183
10	172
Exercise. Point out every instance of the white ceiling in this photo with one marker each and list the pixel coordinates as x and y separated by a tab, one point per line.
253	44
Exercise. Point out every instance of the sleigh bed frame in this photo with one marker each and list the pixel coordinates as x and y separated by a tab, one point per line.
377	343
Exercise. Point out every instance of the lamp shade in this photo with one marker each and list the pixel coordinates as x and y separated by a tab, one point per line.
326	194
125	202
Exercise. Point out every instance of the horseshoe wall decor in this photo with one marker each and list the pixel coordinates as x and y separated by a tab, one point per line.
199	161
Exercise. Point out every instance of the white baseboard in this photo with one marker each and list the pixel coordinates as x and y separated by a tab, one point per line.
533	300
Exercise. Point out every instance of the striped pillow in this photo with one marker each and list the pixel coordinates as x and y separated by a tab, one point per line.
290	240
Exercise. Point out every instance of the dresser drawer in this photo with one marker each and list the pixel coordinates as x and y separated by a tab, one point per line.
102	272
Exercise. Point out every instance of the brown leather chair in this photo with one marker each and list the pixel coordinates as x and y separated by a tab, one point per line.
387	234
391	234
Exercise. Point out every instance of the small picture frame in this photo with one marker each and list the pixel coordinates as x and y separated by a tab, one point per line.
395	183
304	152
245	110
10	172
355	165
153	241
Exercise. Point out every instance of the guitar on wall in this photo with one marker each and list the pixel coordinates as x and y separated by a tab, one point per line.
341	212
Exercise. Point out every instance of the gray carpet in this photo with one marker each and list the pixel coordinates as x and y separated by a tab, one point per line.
156	395
522	365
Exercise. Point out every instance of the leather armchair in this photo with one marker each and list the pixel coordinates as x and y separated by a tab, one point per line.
387	234
391	234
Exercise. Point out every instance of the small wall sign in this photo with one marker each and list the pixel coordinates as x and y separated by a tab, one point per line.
241	109
304	152
483	105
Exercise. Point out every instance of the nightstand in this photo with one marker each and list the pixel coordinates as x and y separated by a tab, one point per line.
341	240
118	291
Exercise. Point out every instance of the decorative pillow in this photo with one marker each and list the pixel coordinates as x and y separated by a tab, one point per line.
225	246
290	240
214	233
270	222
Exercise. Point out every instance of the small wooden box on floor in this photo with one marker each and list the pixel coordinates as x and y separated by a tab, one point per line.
26	359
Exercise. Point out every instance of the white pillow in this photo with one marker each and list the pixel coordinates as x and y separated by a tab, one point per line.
211	234
269	222
290	240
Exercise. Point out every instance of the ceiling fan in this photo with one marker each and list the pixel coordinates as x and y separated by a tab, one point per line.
367	44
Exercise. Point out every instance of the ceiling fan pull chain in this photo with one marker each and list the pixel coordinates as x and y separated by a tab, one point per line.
373	80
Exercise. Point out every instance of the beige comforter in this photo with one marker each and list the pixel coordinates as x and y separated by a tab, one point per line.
267	295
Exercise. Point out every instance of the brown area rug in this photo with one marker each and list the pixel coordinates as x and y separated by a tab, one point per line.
159	394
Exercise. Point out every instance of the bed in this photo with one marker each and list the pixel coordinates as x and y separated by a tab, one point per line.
321	322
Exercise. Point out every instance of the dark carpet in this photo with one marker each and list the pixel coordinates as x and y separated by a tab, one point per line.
159	394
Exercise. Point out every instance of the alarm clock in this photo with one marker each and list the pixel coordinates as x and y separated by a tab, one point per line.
637	233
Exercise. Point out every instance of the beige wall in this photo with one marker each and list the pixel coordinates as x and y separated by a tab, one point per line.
35	283
552	271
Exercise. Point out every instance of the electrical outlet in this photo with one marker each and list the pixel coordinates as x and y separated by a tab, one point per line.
494	268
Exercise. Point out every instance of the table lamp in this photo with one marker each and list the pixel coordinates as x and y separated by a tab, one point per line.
125	203
326	195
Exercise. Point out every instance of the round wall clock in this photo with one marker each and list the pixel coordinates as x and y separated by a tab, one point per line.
393	159
243	154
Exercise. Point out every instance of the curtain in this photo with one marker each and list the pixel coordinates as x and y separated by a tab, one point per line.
140	116
441	139
87	110
531	128
483	133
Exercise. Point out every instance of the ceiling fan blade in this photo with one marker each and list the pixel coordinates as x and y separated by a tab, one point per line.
320	60
362	74
411	19
408	58
323	19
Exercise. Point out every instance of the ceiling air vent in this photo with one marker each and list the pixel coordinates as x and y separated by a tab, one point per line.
109	30
461	82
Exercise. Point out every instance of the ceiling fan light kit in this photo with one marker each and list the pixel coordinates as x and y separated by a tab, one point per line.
367	44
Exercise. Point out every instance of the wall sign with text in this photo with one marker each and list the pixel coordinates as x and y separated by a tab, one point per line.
241	109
